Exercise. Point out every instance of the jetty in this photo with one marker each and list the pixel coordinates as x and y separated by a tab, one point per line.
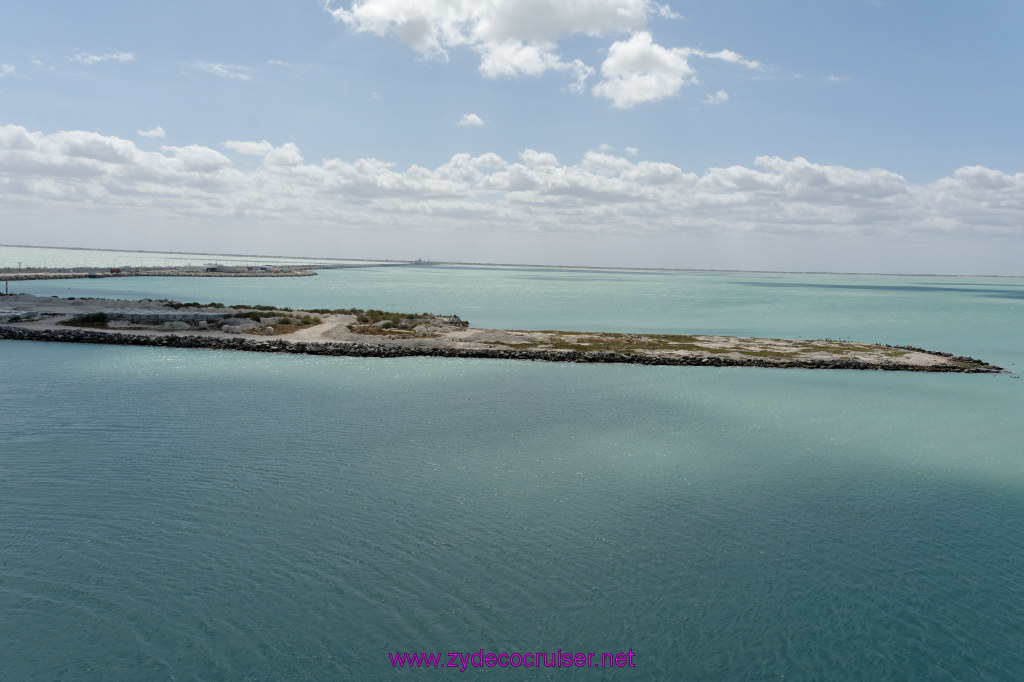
375	333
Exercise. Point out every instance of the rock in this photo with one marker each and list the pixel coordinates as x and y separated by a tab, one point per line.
234	321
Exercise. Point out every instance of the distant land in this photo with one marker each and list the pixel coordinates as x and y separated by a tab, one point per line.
321	259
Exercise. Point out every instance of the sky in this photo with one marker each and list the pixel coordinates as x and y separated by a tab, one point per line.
828	135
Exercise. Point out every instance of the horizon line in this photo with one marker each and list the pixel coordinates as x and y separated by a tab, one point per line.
519	265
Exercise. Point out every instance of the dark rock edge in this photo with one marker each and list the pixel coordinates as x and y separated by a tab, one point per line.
958	364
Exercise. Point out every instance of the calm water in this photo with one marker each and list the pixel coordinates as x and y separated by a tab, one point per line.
172	514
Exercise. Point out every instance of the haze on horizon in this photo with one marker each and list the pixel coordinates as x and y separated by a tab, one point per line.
856	136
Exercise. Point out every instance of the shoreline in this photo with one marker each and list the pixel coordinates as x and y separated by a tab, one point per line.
359	333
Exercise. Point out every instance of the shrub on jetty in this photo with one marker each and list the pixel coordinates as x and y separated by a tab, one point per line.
391	320
258	307
95	320
194	304
287	325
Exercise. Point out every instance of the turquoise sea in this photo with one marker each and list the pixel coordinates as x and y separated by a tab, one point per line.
176	514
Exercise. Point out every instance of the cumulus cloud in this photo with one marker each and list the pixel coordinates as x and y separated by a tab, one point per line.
6	70
433	27
639	70
157	132
197	158
471	120
603	192
90	59
514	38
285	155
229	71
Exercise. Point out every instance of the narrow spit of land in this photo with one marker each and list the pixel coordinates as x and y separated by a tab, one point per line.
27	274
374	333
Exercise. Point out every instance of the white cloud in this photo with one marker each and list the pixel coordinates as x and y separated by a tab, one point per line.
728	56
632	151
90	59
107	179
157	132
639	70
665	12
534	159
6	70
224	70
512	37
715	98
521	38
250	148
198	158
471	120
285	155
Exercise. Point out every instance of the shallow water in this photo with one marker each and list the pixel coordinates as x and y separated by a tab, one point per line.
217	515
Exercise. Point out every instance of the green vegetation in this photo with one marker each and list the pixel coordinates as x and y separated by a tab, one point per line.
381	323
258	307
390	320
397	322
194	304
93	320
630	344
287	325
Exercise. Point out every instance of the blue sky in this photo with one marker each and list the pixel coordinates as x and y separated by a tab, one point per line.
844	135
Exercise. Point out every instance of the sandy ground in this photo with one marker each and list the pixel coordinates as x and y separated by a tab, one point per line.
436	332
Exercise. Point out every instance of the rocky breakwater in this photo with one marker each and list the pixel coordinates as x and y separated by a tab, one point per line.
957	364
